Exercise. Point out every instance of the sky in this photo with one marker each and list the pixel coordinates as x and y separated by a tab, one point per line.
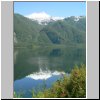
61	9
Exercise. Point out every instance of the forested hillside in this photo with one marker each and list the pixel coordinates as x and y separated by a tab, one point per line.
66	31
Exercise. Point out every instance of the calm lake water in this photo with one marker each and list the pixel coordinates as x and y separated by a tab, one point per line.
35	67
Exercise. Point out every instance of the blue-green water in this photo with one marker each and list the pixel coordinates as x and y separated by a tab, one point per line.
35	67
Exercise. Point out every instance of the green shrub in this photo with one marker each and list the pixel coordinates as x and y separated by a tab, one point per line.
77	85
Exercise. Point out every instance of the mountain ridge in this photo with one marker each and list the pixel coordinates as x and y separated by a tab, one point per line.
44	18
66	31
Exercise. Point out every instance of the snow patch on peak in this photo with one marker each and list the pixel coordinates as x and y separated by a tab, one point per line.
43	18
39	16
77	18
58	18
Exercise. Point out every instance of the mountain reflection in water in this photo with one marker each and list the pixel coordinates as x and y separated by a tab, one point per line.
34	67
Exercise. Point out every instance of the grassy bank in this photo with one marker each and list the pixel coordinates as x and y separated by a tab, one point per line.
73	86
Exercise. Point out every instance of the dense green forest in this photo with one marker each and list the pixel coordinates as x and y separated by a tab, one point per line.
66	32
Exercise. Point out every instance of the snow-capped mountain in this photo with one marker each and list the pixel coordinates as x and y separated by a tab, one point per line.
43	18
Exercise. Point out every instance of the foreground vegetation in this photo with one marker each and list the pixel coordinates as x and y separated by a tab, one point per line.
72	86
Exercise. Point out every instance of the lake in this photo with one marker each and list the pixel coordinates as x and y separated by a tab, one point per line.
39	66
